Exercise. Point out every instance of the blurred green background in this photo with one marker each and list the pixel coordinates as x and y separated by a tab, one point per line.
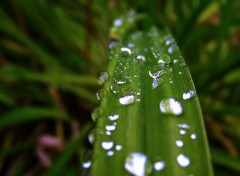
52	51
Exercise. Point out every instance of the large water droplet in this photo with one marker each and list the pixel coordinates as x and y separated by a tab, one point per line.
126	100
171	106
183	161
159	165
138	164
113	117
179	143
107	145
96	113
126	51
164	59
188	95
103	77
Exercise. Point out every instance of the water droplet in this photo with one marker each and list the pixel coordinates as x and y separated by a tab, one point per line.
126	51
179	143
172	48
184	125
168	42
193	136
91	136
164	59
96	113
141	58
98	96
110	153
130	45
171	106
117	22
182	132
138	164
179	73
103	77
86	164
111	45
183	161
101	93
119	79
110	127
156	71
156	82
113	117
108	133
175	61
114	88
107	145
188	95
159	165
126	100
118	147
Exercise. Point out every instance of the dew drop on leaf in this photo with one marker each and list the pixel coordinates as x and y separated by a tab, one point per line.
102	78
183	160
171	106
86	164
188	95
141	58
179	143
138	164
164	59
127	100
107	145
159	165
113	117
126	51
96	113
193	136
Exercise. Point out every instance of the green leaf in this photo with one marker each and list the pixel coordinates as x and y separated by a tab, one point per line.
149	121
29	114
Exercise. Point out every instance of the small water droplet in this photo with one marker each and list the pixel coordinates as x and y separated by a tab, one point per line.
175	61
156	71
141	58
179	73
182	132
184	125
86	164
110	153
98	96
159	165
117	22
188	95
110	127
171	106
107	145
114	88
130	45
164	59
119	79
193	136
91	136
102	78
179	143
172	48
168	42
118	147
113	117
156	82
127	100
96	113
183	160
126	51
138	164
108	133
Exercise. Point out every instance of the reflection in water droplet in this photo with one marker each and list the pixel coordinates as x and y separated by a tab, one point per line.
159	165
126	100
183	161
179	143
171	106
118	147
138	164
86	164
96	113
110	153
182	132
141	58
164	59
188	95
103	77
193	136
110	127
113	117
117	22
126	51
107	145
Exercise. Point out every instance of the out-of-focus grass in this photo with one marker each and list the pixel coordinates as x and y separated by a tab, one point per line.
51	52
